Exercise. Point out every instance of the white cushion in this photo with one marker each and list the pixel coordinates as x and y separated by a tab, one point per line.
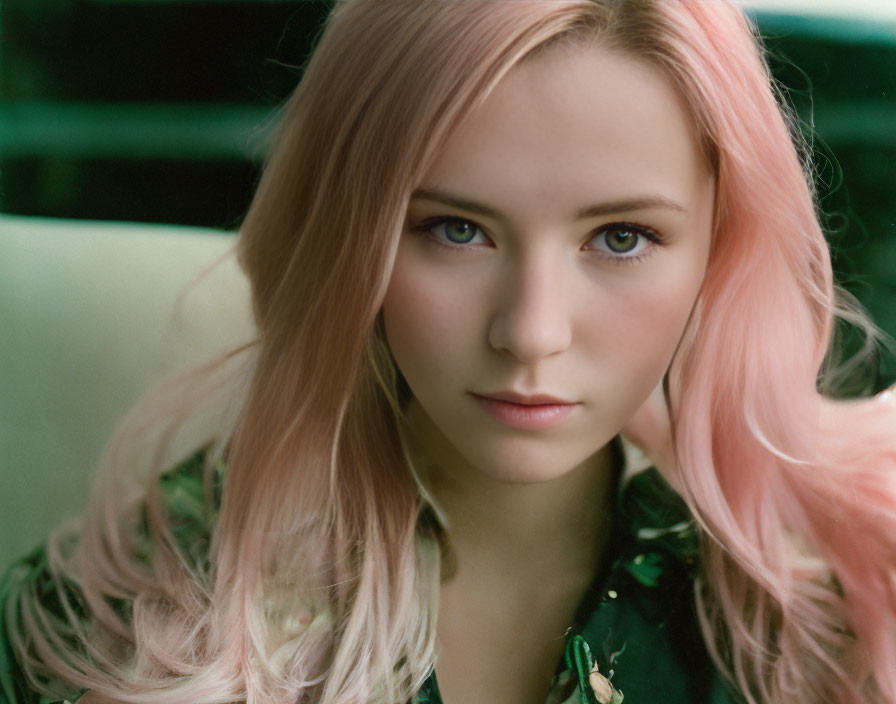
90	314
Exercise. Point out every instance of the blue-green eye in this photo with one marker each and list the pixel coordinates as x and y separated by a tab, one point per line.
624	240
621	241
452	231
457	231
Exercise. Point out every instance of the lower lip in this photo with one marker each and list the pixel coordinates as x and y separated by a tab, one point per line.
526	417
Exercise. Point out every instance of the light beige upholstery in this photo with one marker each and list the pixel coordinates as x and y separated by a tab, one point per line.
90	314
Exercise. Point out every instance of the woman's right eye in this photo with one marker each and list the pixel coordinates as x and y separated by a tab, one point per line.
452	232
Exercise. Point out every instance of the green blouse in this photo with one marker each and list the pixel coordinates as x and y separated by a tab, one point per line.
635	637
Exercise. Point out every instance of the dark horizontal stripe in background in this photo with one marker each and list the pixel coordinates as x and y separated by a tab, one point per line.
162	110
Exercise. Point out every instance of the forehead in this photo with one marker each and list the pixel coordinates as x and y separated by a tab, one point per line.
570	124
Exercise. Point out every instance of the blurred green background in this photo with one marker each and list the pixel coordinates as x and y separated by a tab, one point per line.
161	111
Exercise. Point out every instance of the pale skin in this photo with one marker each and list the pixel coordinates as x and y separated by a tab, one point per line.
555	247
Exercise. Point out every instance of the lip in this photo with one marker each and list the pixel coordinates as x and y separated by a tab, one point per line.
525	411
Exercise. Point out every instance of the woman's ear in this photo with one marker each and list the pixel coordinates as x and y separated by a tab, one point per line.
650	430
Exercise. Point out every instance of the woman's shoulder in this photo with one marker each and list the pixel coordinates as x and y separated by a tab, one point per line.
30	575
190	494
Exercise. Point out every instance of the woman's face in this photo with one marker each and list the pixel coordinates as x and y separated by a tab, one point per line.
551	257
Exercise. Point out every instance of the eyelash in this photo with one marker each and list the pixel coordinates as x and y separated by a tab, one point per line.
426	227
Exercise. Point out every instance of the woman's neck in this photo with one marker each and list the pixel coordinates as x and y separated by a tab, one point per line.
524	557
542	526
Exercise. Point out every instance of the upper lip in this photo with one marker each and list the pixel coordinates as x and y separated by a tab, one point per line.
525	399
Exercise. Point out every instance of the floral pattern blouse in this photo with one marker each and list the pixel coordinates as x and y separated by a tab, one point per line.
635	638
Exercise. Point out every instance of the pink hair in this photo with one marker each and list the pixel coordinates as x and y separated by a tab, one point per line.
796	492
321	587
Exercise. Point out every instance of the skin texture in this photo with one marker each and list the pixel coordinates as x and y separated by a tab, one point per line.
539	302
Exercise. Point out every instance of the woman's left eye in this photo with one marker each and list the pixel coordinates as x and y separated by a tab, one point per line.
623	240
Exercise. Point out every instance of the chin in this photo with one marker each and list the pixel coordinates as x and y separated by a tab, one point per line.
528	465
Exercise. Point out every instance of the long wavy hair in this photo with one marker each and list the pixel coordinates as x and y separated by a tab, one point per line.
321	585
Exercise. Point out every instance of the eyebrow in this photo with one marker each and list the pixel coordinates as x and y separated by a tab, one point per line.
620	205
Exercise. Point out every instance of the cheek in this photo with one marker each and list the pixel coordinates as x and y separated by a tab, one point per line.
424	322
643	327
664	316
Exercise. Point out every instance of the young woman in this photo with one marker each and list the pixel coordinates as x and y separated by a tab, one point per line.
492	238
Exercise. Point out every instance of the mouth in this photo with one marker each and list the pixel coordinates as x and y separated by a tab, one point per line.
526	399
525	412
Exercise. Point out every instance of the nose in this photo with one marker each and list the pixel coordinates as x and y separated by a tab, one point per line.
533	316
